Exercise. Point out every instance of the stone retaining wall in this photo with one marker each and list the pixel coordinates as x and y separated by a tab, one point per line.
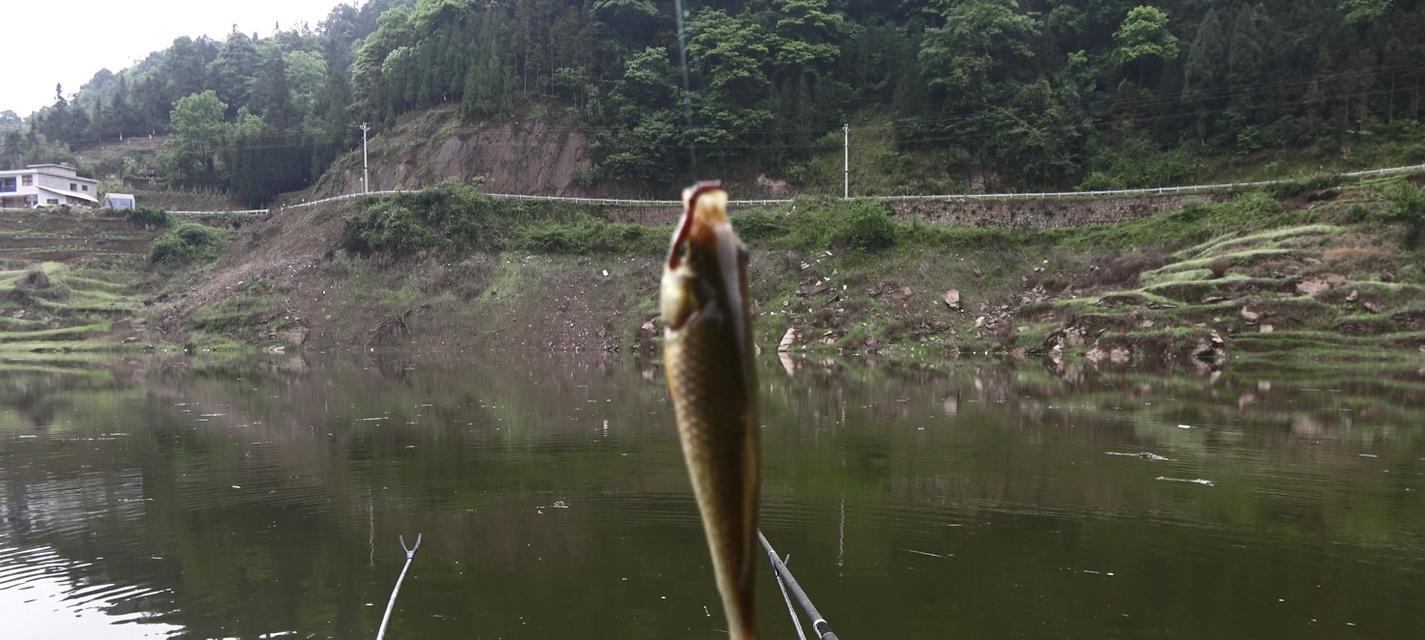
1005	214
1042	214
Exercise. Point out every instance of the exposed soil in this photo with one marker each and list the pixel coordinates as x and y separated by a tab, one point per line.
1258	292
524	157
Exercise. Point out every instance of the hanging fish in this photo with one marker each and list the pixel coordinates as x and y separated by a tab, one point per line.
708	360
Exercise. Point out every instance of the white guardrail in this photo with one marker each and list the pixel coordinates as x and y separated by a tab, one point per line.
958	197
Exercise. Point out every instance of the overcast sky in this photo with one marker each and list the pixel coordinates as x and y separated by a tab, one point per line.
80	37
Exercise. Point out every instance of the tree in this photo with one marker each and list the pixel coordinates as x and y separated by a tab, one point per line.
198	130
1205	73
271	95
979	41
807	34
1360	13
1143	40
306	75
1244	65
729	52
232	72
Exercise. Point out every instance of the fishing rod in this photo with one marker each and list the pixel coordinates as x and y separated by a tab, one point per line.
789	583
410	555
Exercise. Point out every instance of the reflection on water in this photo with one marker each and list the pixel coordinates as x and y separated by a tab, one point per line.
976	500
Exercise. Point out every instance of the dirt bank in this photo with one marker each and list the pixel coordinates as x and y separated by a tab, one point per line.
533	156
1203	287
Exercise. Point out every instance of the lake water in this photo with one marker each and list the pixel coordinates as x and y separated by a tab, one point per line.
971	500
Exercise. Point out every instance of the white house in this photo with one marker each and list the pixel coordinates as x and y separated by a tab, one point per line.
42	185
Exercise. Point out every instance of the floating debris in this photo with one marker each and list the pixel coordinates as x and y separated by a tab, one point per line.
1184	426
927	553
1201	481
1146	455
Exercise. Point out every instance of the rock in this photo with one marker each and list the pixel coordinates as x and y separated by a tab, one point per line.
789	340
131	339
1120	355
1096	355
1249	315
1266	328
1373	307
905	292
979	322
977	272
1353	296
1312	286
1212	351
952	300
37	279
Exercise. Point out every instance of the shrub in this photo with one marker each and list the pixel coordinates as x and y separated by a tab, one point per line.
867	226
1299	186
147	217
1219	266
1406	206
450	215
188	242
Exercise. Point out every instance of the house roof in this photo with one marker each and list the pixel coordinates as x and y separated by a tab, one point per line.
111	194
72	194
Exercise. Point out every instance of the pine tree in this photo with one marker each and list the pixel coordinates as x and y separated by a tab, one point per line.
1205	74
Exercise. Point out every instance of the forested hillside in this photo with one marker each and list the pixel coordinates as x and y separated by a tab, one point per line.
1009	94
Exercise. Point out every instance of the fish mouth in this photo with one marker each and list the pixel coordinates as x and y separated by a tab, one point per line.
689	219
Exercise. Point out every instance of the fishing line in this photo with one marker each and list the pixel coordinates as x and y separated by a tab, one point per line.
687	92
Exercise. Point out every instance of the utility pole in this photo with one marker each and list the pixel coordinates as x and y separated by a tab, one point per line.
846	162
365	171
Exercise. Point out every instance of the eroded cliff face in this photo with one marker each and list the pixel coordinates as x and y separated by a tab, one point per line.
528	157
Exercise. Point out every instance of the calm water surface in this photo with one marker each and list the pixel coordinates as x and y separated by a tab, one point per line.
971	501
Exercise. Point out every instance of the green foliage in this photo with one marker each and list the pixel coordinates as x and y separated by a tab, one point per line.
187	243
148	217
978	40
1144	39
867	226
588	235
450	216
198	129
1135	162
1406	206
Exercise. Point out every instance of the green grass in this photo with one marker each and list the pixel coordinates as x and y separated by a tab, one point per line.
62	332
245	315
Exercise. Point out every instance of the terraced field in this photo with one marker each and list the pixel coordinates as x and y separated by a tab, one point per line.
1286	293
69	284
